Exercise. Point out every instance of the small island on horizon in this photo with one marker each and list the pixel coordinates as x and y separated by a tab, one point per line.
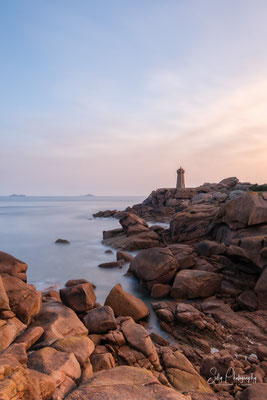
17	195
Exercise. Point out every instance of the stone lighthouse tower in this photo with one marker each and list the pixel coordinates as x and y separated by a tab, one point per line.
180	178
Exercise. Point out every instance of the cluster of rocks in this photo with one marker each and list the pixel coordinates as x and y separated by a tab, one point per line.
64	345
162	204
213	255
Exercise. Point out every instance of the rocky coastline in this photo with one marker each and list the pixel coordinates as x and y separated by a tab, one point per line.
206	272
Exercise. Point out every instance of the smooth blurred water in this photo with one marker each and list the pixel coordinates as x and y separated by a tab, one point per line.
29	227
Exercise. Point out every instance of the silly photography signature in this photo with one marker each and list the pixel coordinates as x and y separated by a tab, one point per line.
230	377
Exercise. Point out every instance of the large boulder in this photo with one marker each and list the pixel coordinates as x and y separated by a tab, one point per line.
25	301
192	224
124	383
59	321
100	320
125	304
190	284
79	297
12	266
152	266
245	211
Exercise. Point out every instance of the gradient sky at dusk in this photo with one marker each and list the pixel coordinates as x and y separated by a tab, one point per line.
111	96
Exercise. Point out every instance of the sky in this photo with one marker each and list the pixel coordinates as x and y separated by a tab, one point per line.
111	97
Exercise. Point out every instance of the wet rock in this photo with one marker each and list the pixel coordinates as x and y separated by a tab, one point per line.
153	266
62	241
105	214
59	321
51	362
159	291
100	320
124	383
125	304
113	233
12	266
112	264
123	255
24	299
74	282
79	297
190	284
81	346
108	251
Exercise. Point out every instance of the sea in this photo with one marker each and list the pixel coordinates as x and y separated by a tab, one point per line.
29	227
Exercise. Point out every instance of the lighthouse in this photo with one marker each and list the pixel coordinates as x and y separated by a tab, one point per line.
180	178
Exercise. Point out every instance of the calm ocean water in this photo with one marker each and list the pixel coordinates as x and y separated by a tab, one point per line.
29	227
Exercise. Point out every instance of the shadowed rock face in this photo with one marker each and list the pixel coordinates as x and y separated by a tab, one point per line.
125	383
